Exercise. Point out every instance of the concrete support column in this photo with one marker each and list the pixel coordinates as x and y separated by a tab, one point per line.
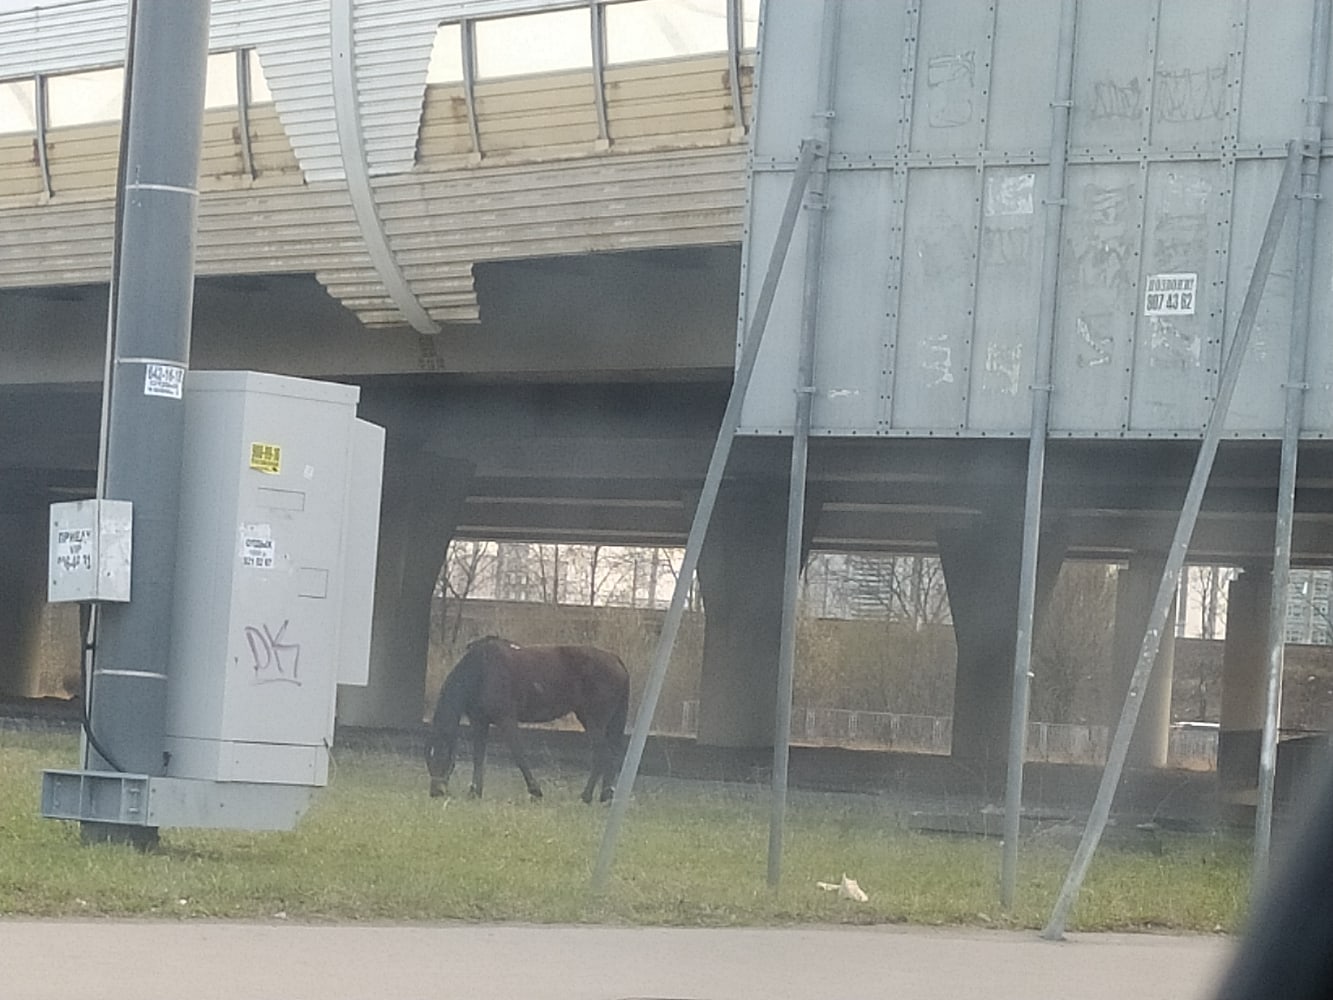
1244	680
1136	588
422	500
981	567
39	642
740	577
981	572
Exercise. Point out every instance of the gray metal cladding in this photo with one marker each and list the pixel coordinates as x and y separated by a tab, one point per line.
930	288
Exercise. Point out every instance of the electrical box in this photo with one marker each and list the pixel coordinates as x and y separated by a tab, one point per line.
275	572
89	554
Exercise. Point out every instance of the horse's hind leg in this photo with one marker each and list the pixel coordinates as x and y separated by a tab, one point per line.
509	730
597	740
612	751
479	733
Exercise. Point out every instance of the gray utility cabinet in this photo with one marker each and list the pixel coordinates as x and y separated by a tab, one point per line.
275	576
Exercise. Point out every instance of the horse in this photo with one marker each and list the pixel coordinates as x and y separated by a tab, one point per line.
498	683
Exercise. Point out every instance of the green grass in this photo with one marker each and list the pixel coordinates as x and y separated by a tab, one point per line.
375	847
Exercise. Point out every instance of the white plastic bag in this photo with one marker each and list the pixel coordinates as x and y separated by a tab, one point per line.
848	888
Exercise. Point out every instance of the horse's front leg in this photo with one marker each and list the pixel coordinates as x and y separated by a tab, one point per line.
479	733
509	730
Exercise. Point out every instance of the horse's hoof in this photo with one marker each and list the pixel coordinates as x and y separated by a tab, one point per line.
536	793
587	798
474	792
436	791
608	794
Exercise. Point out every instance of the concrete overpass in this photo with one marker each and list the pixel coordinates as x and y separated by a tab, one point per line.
534	278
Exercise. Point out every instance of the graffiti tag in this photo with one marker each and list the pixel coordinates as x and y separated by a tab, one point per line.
274	658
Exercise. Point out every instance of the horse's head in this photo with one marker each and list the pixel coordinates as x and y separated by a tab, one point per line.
440	759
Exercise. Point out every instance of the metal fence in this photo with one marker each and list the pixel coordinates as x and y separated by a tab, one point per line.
1056	742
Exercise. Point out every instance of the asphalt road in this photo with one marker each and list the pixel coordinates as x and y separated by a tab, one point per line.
197	960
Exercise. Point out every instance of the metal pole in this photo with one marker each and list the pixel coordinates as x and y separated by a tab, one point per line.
817	206
1291	433
629	768
153	296
597	19
735	42
1175	559
88	635
1036	474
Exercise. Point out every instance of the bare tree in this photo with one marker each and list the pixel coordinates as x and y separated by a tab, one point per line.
544	567
898	588
1072	651
466	564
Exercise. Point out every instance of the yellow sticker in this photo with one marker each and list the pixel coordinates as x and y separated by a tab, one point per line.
265	457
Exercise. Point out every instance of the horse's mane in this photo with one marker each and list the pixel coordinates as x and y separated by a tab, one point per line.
464	681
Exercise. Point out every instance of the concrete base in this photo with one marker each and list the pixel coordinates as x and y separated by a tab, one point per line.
423	498
114	807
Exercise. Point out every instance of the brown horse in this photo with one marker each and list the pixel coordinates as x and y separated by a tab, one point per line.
498	683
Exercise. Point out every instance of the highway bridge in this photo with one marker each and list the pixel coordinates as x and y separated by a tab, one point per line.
530	231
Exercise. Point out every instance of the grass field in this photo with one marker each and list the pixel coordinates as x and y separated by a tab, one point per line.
375	847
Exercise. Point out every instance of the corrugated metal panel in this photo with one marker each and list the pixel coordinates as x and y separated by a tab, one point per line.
686	198
1181	111
393	45
60	39
559	118
285	230
20	176
545	187
681	102
292	37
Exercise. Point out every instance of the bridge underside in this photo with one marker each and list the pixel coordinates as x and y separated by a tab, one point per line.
602	433
622	463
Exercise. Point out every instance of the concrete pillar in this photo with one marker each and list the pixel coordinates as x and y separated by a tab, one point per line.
422	500
1136	588
740	577
1244	680
981	567
981	572
39	642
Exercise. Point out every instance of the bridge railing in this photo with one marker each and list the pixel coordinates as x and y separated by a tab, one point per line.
671	104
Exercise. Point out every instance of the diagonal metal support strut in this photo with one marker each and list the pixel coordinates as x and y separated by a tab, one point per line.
703	513
1175	561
